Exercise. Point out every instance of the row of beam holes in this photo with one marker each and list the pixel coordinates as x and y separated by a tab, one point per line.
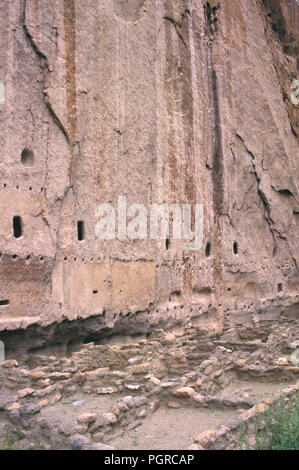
82	259
14	257
18	187
65	258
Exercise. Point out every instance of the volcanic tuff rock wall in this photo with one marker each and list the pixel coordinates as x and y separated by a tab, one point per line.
177	101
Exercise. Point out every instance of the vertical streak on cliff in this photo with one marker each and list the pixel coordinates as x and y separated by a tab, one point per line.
217	178
218	152
188	110
173	172
9	92
217	168
196	173
179	86
69	10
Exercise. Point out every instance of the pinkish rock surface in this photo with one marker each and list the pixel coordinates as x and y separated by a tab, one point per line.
176	101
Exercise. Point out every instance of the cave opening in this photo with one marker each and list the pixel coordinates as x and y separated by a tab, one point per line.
208	250
27	157
80	230
280	287
17	226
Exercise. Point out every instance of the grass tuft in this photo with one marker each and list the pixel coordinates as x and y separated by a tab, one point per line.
277	428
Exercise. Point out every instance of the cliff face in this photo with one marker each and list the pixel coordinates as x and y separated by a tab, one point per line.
176	101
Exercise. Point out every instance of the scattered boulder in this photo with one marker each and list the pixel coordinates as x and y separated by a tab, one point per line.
86	418
184	392
109	418
206	437
78	441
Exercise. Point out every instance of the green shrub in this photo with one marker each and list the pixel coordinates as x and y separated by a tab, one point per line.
8	440
277	428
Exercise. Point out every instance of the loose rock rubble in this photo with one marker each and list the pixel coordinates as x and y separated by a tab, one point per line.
101	391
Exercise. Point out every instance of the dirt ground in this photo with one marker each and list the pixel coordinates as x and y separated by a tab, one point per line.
175	429
168	428
253	388
69	408
171	429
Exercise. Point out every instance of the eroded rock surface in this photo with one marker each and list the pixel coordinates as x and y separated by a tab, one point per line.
177	101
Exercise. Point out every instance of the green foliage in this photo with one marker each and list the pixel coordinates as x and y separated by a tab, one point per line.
277	428
242	443
8	441
135	440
